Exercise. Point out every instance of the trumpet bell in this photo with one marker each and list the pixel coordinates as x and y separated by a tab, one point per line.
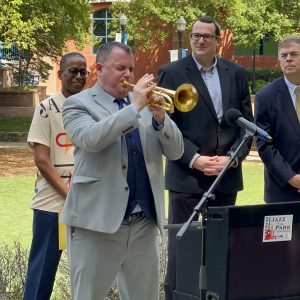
186	97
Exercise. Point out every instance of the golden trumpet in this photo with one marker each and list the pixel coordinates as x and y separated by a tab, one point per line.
185	97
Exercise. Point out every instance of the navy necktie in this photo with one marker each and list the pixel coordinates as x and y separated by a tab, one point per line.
137	176
120	102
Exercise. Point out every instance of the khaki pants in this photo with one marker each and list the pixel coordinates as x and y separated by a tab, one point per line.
131	255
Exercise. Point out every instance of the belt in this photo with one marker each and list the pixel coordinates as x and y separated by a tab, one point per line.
133	218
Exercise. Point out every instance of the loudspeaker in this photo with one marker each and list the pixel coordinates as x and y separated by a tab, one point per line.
241	264
188	265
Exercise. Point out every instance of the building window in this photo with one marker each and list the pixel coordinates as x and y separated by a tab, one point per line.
101	20
266	46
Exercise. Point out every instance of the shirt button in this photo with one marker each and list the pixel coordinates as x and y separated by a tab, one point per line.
124	167
126	188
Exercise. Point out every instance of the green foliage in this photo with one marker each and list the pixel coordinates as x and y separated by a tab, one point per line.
153	20
258	85
262	77
256	19
13	266
41	28
14	124
267	75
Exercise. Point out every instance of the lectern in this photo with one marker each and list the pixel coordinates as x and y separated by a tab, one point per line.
252	253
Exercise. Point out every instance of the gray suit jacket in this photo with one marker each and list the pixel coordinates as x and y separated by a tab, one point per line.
98	195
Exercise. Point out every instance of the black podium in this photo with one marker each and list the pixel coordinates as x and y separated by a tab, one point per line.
240	266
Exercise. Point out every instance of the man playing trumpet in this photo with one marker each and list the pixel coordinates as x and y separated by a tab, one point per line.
116	200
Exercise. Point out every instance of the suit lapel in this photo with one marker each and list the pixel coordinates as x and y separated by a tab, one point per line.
288	105
196	79
225	84
102	98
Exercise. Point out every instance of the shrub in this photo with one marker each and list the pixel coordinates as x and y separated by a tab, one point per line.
13	268
262	77
266	75
260	84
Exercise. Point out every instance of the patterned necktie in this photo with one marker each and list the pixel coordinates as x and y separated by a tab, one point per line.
120	103
297	92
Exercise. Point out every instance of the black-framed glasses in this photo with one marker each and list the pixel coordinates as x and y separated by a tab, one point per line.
206	37
75	72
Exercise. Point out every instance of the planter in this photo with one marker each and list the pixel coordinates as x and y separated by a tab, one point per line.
19	98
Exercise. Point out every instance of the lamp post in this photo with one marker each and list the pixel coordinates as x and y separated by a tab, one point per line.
180	24
123	22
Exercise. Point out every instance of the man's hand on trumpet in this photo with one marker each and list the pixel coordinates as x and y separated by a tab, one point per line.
142	96
141	91
156	109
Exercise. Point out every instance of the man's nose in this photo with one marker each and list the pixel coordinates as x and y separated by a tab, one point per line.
289	56
127	73
78	75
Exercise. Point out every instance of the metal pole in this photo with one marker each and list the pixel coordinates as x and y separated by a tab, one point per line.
123	33
180	39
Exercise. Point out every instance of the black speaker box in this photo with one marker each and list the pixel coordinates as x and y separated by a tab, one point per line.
240	266
188	265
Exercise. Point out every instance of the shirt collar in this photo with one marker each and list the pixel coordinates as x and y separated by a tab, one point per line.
291	86
201	68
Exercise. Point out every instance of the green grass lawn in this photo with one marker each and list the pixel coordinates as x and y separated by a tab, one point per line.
253	184
16	193
14	124
15	216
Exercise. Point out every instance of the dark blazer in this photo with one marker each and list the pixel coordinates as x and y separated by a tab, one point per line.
201	130
275	113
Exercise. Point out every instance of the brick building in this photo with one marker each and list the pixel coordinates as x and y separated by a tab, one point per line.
151	60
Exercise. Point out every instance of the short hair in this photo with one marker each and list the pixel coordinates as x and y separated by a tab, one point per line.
209	20
67	56
289	39
106	49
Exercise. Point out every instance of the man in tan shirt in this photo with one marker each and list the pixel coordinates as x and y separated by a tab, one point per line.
53	156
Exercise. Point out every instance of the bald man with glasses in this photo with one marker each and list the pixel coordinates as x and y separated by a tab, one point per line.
53	156
221	85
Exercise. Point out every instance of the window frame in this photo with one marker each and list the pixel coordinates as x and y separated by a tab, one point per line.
106	19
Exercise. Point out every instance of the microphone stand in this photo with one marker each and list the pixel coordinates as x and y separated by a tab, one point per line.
201	207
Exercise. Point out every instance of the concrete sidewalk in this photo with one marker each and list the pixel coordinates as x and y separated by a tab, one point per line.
13	145
252	157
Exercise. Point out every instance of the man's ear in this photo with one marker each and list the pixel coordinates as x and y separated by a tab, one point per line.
99	67
59	73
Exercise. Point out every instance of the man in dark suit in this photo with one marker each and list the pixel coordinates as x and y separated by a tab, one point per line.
277	112
221	85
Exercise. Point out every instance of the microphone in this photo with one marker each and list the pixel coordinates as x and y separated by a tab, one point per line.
234	117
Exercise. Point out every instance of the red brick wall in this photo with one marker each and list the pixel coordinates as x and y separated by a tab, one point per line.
150	61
